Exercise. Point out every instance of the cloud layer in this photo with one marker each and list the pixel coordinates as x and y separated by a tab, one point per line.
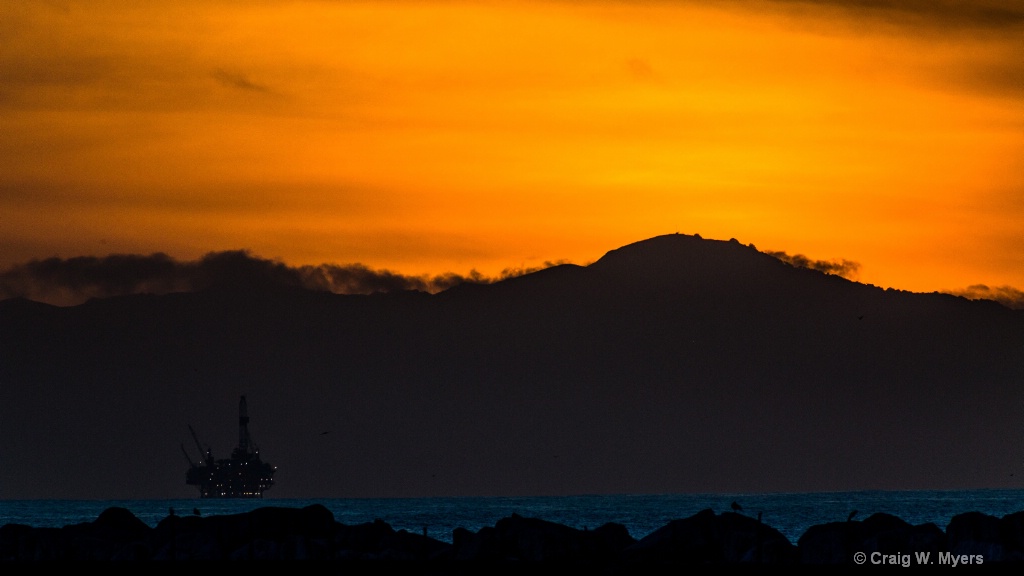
67	281
70	281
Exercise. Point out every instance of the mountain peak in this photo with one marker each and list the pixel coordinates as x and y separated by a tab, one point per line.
682	253
669	246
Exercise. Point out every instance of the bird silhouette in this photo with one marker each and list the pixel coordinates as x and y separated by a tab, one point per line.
850	517
736	507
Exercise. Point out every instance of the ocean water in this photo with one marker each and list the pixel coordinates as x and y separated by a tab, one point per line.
791	514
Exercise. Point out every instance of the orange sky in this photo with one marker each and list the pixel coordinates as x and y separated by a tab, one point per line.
436	136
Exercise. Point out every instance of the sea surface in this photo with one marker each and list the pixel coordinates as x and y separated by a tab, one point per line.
791	514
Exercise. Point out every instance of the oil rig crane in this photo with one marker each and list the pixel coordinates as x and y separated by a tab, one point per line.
244	475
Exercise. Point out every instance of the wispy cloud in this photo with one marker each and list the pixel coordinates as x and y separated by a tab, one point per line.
846	268
239	81
1006	295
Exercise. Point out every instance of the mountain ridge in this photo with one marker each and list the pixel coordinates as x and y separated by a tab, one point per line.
672	364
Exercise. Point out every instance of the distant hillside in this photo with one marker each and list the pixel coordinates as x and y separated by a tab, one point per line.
675	364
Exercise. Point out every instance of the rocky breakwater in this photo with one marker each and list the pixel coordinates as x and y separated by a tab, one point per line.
312	534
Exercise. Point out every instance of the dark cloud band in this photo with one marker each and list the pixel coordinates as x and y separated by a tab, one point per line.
74	280
68	281
943	14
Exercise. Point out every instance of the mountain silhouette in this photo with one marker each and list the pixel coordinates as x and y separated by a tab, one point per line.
674	364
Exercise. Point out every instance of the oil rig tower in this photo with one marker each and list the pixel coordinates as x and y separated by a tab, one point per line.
244	475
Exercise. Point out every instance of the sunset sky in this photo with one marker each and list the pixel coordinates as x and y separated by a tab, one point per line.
446	136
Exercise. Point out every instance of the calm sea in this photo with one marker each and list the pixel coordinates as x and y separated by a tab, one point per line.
791	514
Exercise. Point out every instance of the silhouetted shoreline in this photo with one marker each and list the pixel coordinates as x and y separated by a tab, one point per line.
707	538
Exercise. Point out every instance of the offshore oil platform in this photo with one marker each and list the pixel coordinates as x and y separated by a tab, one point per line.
244	475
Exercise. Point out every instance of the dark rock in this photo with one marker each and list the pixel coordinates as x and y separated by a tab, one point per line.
480	546
890	534
404	545
115	534
706	538
311	533
832	543
378	540
122	524
1011	531
519	539
265	533
613	537
16	542
974	533
837	542
44	544
536	540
